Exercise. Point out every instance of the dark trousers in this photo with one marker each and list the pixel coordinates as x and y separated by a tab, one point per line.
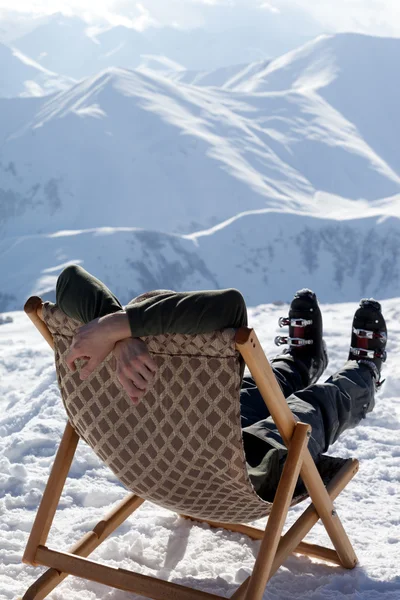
330	408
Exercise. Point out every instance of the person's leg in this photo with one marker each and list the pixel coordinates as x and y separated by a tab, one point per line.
290	376
330	408
344	399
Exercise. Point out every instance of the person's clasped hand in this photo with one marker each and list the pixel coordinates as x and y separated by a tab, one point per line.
96	340
135	367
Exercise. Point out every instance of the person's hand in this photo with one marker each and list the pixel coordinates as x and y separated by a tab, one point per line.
94	342
135	367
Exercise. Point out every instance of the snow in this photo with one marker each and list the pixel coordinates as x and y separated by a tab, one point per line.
25	77
224	77
157	542
263	253
126	138
91	49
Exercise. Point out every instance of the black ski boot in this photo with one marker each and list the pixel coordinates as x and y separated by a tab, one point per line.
369	337
305	335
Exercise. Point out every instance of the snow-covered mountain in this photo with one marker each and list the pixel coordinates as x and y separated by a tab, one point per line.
224	77
267	255
68	45
356	74
22	76
127	139
267	183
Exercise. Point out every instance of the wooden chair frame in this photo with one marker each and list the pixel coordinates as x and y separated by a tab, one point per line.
275	547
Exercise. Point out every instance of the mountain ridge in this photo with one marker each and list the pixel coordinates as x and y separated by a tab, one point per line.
25	77
267	256
244	151
207	166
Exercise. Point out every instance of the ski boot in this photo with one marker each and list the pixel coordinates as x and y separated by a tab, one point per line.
369	337
305	335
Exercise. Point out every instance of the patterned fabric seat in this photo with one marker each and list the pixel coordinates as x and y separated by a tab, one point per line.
181	446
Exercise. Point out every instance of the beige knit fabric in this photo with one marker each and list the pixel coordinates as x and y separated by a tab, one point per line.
181	446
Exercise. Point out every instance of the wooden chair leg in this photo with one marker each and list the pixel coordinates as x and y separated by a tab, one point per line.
43	585
277	518
291	541
297	532
52	493
85	546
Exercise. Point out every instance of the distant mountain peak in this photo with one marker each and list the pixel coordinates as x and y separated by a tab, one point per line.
319	62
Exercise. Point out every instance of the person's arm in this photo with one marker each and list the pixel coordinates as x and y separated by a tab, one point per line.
187	312
170	312
94	342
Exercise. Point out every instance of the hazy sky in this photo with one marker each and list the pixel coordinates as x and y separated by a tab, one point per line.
380	17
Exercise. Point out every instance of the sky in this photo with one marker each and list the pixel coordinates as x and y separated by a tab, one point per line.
375	17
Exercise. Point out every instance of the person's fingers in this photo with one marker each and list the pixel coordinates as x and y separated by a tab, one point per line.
137	379
88	368
149	362
70	359
136	366
133	392
75	352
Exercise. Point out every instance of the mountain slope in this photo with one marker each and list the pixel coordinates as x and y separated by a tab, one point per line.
224	77
267	255
354	73
228	167
25	77
126	139
123	140
67	45
60	44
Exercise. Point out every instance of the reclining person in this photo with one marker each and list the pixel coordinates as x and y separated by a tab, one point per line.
330	408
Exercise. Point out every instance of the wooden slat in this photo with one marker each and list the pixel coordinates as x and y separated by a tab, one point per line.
280	507
257	534
33	308
316	551
294	536
52	493
146	586
310	517
85	546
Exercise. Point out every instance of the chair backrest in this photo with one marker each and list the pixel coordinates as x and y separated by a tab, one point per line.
181	446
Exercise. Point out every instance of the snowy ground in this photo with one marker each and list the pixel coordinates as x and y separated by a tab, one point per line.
157	542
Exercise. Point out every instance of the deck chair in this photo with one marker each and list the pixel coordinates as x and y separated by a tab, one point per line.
181	447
